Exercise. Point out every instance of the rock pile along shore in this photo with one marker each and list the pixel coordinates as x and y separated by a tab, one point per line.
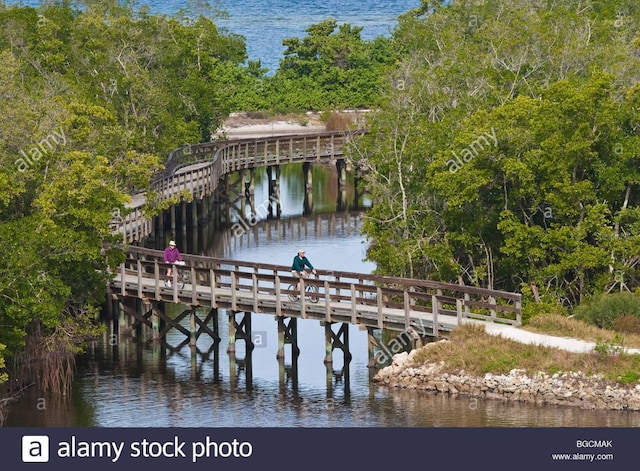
570	388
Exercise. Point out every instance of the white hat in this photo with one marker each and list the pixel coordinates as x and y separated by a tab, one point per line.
301	251
172	242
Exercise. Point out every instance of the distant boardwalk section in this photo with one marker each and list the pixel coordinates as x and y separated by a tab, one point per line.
198	169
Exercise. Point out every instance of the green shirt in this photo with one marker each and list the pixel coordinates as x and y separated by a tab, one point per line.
300	262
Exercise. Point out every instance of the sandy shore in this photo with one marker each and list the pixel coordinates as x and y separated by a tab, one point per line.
240	126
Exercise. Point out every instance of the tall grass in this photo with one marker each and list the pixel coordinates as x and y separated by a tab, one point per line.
48	360
562	326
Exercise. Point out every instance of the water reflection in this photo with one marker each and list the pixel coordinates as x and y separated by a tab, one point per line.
119	387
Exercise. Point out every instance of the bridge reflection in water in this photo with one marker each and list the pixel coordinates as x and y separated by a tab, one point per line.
221	227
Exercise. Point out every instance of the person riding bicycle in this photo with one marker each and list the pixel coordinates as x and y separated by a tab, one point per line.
297	267
171	255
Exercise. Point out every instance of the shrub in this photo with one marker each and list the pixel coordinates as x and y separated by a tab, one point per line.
607	310
339	122
546	304
257	114
325	115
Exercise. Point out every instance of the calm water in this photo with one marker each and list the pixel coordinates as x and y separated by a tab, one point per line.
118	386
265	23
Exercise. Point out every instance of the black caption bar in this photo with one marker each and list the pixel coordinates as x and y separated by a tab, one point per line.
378	448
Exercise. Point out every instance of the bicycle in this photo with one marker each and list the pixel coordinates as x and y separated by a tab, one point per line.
182	276
310	288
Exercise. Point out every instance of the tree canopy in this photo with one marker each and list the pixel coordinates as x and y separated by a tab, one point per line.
505	152
94	96
332	67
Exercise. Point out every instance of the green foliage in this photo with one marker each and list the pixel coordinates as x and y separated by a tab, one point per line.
629	377
94	95
504	153
331	67
604	309
614	347
545	305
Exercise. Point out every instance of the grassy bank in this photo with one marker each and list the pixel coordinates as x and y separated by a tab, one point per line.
471	349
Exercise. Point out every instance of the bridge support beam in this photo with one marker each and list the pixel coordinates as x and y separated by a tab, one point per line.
333	340
203	326
194	362
286	373
249	179
155	320
337	376
239	365
341	203
307	172
287	334
307	205
357	189
183	223
341	166
115	318
172	211
371	348
193	337
194	223
273	177
119	318
239	330
222	206
233	369
146	320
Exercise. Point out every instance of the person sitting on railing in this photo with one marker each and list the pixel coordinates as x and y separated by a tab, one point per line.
297	267
171	255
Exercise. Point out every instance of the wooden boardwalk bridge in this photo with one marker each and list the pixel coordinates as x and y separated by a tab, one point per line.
415	309
202	169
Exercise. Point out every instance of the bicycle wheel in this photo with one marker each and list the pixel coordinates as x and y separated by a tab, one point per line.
183	278
312	293
292	296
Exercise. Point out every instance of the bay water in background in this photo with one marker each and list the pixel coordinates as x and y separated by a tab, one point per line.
265	23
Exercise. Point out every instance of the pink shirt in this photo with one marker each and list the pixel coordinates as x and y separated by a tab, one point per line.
171	254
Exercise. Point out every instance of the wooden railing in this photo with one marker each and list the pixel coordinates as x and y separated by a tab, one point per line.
198	168
255	152
357	298
382	302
